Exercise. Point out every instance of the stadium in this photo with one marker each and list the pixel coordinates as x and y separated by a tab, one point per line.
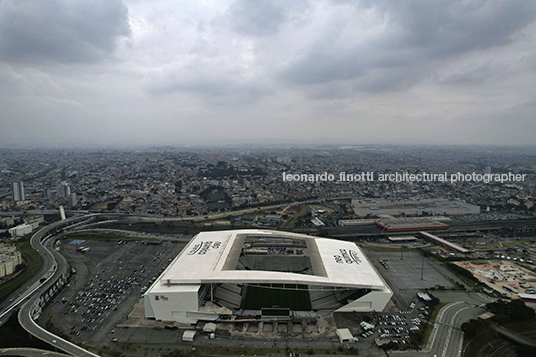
264	273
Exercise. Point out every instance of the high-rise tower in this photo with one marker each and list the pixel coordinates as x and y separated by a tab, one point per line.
18	191
64	190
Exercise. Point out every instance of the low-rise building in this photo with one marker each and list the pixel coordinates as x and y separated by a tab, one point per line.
10	257
20	230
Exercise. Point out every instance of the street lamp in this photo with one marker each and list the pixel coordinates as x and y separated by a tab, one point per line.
422	269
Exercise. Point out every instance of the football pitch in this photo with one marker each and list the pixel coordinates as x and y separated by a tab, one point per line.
264	297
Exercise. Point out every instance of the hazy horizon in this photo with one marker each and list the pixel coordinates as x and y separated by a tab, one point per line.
134	73
526	148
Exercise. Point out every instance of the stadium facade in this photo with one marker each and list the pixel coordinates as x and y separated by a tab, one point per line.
263	272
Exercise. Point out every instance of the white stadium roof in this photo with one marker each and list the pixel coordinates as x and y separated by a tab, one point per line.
211	257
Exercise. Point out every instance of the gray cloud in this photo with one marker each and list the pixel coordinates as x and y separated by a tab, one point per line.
218	79
445	27
59	30
434	71
476	74
261	17
410	35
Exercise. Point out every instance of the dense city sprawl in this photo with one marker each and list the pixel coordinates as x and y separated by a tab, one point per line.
187	182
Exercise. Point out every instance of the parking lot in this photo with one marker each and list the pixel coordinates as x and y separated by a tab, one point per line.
403	274
386	327
106	282
111	277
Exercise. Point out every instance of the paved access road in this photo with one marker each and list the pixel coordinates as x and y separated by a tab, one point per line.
55	263
49	265
26	290
446	339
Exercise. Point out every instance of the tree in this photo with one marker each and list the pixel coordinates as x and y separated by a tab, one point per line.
19	267
515	310
520	312
471	328
175	353
525	351
415	339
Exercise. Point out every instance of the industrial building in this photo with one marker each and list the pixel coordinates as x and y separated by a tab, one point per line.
431	207
265	273
401	225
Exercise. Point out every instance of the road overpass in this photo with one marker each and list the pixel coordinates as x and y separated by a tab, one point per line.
49	265
35	300
514	336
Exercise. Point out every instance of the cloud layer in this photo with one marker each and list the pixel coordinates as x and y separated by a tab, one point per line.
162	72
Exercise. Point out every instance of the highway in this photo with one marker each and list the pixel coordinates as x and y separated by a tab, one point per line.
446	339
31	300
27	311
155	218
339	213
24	292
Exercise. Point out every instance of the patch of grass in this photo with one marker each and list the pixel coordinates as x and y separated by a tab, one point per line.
463	274
13	335
236	351
34	262
164	227
127	346
213	206
304	209
491	245
381	249
473	346
478	343
521	327
99	206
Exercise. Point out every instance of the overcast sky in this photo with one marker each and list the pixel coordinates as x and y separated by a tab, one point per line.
158	72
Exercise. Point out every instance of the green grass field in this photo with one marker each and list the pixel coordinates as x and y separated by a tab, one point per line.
304	209
237	351
13	335
258	297
99	206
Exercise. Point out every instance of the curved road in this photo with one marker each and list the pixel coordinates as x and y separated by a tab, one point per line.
446	339
55	263
26	290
